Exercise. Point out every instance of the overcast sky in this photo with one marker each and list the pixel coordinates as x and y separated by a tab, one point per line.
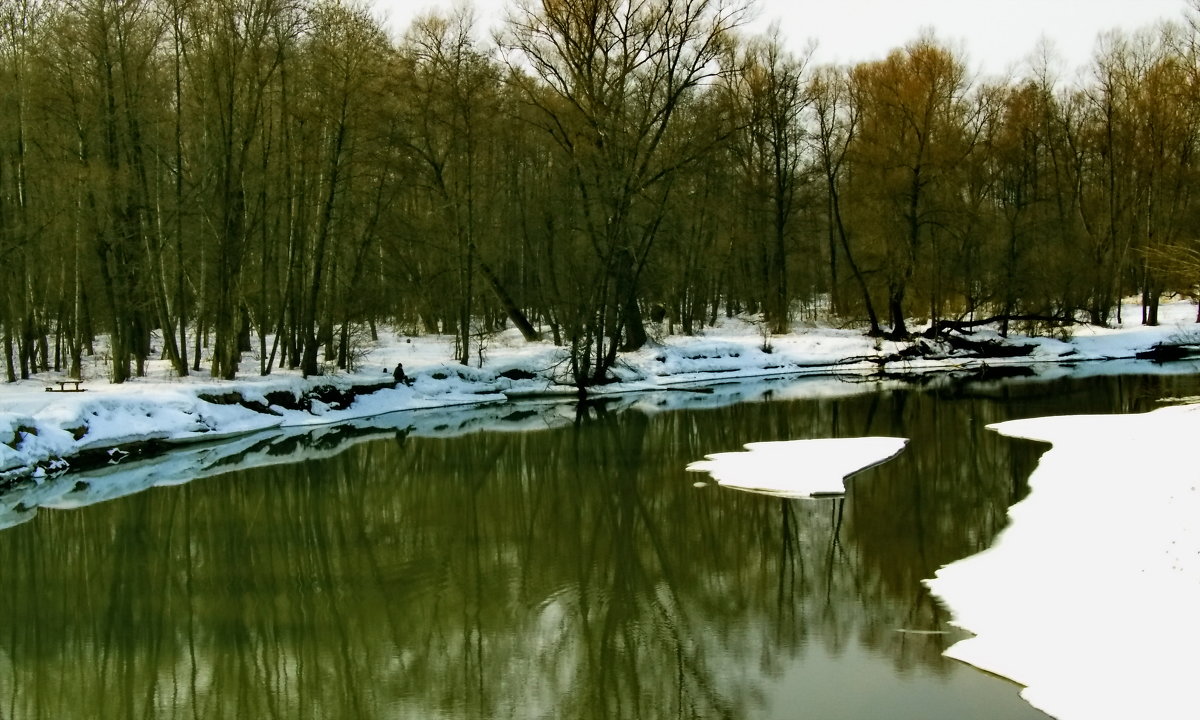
995	34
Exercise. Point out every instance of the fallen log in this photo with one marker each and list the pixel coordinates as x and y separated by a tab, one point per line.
988	348
941	327
1165	352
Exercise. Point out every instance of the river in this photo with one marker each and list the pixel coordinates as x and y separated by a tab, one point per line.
573	572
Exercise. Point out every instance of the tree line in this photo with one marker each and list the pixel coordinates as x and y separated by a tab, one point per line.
196	179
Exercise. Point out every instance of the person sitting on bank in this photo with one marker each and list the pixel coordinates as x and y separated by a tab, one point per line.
399	376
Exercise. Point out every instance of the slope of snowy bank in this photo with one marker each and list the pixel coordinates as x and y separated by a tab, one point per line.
40	432
120	475
1089	598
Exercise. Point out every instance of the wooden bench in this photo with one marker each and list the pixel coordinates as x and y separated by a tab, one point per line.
62	386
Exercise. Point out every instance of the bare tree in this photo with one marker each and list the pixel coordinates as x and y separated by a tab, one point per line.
238	47
836	120
769	93
911	117
609	79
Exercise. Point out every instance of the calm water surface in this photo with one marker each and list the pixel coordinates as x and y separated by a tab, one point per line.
567	573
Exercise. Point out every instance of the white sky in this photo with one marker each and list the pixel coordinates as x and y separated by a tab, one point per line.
995	34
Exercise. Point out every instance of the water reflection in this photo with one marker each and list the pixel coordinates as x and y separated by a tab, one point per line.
569	573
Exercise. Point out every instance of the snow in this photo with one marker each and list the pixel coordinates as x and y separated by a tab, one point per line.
38	428
798	468
1089	598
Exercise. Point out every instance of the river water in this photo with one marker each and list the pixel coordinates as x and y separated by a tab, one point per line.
573	572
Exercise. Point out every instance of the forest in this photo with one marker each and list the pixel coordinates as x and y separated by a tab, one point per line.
199	179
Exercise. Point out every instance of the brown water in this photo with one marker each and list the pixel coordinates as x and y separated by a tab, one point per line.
569	573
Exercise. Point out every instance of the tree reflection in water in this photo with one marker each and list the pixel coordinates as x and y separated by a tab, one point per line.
572	573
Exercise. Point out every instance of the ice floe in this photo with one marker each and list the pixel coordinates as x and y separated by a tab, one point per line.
798	468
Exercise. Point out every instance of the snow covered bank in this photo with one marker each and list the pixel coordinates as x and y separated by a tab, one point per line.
1089	598
273	446
798	468
41	432
120	475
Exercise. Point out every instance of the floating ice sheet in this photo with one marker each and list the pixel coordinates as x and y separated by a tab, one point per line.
798	468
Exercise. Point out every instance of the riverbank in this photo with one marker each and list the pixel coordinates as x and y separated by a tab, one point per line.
1088	597
44	432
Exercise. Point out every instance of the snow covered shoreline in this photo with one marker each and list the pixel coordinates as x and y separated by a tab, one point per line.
1088	598
41	432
